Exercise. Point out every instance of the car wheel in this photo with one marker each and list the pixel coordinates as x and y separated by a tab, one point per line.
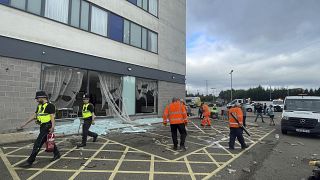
284	131
249	110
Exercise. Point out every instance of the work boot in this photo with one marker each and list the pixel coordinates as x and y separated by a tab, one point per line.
183	148
175	148
26	165
56	157
81	145
95	139
244	147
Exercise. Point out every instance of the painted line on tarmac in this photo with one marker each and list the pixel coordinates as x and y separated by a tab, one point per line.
151	174
236	157
6	162
116	169
88	161
189	168
50	164
25	159
210	156
135	149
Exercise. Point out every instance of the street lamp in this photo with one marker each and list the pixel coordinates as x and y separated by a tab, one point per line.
213	93
231	82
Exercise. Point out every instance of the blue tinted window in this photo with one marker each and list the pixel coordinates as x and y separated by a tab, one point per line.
133	1
7	2
116	27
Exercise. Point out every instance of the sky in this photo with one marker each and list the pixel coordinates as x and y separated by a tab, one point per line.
266	42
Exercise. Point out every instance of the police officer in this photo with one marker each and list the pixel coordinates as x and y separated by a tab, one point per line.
235	129
44	116
88	119
176	113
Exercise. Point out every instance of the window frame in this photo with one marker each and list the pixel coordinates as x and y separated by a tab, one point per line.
42	15
148	4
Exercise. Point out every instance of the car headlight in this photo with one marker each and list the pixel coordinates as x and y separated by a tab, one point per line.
285	118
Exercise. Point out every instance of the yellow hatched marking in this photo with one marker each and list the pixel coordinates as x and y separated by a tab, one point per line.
189	168
88	161
215	162
6	162
151	175
116	169
231	160
138	150
28	156
46	167
23	147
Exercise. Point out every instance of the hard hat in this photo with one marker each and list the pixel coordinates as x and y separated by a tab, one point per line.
85	96
41	94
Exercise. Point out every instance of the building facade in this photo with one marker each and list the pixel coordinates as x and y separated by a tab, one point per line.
128	55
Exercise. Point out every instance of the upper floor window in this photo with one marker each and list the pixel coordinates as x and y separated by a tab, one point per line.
90	17
57	10
99	21
34	6
84	23
153	7
4	2
148	5
75	13
20	4
115	27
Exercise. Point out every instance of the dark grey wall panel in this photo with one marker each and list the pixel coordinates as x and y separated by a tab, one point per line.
19	49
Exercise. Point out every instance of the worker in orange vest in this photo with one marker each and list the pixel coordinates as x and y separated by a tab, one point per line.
206	115
235	129
175	113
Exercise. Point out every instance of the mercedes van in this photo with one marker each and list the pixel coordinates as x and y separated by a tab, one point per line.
301	114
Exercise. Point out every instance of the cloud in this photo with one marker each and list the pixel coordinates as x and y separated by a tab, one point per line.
267	42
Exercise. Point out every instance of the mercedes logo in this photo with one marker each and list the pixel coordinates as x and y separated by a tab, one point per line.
302	121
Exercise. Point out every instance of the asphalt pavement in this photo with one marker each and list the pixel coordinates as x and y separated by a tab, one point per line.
150	156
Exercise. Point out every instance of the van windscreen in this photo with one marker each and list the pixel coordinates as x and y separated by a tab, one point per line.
302	105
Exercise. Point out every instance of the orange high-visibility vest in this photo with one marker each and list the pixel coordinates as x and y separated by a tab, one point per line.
206	110
176	113
237	113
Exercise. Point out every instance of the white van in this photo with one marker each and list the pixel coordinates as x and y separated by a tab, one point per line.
240	101
301	114
277	105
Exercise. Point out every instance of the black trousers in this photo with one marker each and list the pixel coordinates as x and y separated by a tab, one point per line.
41	139
85	130
174	133
244	120
236	133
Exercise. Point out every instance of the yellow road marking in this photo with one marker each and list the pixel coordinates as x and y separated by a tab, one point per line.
23	147
116	169
28	156
231	160
6	162
215	162
138	150
88	161
189	168
46	167
151	175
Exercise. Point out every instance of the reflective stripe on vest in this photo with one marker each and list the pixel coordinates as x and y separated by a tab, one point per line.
85	112
41	116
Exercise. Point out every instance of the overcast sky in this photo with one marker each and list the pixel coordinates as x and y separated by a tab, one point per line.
268	42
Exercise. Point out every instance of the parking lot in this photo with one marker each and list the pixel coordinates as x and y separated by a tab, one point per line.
134	155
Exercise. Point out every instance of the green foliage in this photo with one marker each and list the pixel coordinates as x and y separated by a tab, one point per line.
261	94
258	94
